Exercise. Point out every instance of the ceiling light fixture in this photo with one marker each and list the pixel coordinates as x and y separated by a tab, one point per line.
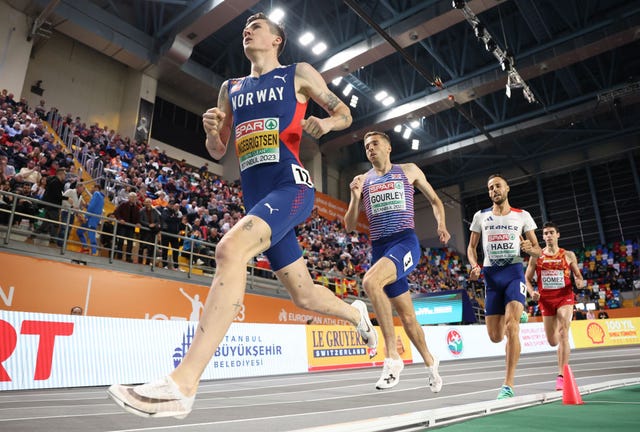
347	89
388	100
381	95
306	38
276	15
319	48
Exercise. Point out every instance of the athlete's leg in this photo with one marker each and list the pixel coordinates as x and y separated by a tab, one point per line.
407	314
563	318
382	273
493	309
495	327
551	329
305	294
245	240
513	311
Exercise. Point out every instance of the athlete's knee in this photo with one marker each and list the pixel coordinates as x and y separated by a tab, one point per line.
512	327
408	320
370	282
563	332
553	340
303	299
226	250
496	336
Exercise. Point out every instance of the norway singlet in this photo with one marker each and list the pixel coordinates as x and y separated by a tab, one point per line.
276	188
554	282
388	203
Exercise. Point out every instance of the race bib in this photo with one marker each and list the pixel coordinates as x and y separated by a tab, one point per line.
388	196
301	175
552	279
258	142
407	261
503	246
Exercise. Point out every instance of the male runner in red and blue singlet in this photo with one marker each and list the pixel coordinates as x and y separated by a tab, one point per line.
266	111
387	193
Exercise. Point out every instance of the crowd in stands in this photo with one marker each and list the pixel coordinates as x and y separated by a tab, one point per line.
201	206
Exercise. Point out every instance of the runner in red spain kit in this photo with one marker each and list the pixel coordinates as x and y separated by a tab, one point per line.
555	292
266	111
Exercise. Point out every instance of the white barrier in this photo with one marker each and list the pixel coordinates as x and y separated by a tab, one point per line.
51	351
463	342
48	351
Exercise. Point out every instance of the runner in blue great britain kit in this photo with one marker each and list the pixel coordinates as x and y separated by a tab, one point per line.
266	111
386	191
505	231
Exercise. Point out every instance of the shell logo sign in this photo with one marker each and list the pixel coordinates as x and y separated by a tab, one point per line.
595	333
606	332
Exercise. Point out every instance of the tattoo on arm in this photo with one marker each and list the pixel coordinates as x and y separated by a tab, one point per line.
247	226
222	95
332	101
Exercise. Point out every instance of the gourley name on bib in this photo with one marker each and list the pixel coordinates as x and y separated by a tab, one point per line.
258	141
387	196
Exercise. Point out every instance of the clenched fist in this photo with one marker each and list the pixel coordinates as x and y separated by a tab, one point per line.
212	121
525	245
316	127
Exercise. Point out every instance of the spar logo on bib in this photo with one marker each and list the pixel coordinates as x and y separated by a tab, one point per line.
257	142
454	342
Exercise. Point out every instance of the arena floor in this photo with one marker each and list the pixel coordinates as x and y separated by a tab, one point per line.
319	400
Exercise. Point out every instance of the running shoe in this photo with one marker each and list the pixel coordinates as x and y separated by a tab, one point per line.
161	398
434	379
390	373
559	382
506	392
365	328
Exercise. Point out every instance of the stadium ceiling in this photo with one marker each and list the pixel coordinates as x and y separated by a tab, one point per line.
439	60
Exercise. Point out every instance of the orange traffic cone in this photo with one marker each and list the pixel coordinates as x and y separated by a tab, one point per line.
570	392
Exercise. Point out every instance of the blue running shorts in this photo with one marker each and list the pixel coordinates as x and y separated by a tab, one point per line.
403	249
283	209
504	284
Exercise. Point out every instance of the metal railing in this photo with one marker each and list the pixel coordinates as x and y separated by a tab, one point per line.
64	244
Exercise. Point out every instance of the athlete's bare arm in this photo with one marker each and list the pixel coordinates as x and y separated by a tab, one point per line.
217	123
417	178
472	255
311	85
577	274
351	216
528	277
